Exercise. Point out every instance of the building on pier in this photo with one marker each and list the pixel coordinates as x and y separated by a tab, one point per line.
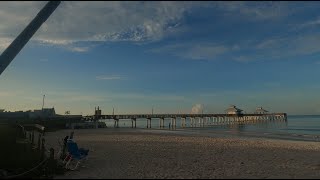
233	110
260	110
97	111
35	114
42	113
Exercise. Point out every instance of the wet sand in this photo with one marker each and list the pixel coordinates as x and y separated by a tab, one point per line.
129	153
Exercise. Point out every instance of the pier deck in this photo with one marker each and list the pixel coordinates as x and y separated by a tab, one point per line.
203	119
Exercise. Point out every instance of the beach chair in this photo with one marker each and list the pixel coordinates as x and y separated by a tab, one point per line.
74	154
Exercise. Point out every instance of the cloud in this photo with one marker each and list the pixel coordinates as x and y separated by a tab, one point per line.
95	21
272	84
303	44
61	96
205	51
79	49
73	46
208	95
4	43
196	51
277	48
55	42
6	94
109	77
77	26
77	21
197	109
85	98
244	59
256	10
151	97
308	24
251	50
43	60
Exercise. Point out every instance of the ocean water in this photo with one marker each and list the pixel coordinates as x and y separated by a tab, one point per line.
297	127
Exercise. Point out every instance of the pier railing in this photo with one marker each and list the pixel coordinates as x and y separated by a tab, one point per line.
140	116
203	119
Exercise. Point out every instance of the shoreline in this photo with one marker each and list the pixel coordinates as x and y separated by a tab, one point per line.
138	153
225	133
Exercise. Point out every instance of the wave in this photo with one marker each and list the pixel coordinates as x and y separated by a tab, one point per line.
300	129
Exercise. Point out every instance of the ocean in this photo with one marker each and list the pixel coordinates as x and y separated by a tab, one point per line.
297	127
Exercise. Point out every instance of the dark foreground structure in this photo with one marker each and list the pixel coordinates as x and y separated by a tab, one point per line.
22	156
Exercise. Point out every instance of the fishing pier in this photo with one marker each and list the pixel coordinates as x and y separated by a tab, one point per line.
195	120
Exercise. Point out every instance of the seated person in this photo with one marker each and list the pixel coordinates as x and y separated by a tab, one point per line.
74	150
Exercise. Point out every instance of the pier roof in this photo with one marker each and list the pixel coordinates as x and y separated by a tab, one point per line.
233	108
261	110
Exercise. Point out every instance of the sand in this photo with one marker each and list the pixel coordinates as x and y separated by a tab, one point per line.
127	153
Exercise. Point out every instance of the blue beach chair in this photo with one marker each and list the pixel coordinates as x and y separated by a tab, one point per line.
75	154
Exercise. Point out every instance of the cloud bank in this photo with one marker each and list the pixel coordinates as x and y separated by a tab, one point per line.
76	23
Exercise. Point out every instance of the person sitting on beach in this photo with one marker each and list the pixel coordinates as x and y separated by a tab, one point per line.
81	151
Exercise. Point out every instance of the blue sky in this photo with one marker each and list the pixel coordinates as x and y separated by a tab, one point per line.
177	57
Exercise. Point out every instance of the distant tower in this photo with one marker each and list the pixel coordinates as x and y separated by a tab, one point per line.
43	101
97	113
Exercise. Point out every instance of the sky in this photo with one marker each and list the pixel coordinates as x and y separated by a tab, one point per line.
172	57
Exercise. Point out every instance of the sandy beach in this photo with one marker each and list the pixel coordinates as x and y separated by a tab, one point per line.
127	153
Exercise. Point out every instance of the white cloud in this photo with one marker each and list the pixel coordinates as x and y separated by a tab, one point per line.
197	51
55	42
79	49
197	109
205	51
256	10
269	43
94	21
79	21
267	49
208	95
306	44
4	43
280	47
311	23
74	24
109	77
151	97
244	59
